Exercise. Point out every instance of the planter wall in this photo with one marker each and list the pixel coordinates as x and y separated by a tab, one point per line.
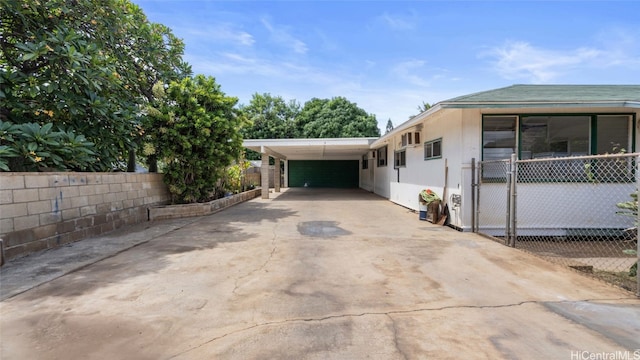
187	210
45	210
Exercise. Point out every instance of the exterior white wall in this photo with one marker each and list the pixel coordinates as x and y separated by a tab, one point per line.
471	143
459	144
367	175
383	174
461	133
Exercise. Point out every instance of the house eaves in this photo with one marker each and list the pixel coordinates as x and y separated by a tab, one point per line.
539	104
416	120
531	97
549	94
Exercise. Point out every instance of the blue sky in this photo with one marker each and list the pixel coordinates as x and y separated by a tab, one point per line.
390	56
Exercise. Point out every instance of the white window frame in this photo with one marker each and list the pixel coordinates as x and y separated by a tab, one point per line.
428	149
400	159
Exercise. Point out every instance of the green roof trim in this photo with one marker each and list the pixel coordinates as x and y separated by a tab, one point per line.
577	98
547	95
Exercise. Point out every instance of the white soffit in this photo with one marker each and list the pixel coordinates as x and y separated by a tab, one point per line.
311	149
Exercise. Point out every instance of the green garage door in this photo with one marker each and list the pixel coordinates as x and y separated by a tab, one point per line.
324	173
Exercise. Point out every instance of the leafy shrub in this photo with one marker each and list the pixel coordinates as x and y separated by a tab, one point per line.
233	181
194	132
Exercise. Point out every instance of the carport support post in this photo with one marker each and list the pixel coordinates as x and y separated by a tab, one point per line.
276	176
286	173
264	176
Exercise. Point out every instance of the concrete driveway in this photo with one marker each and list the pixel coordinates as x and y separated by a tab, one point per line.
317	274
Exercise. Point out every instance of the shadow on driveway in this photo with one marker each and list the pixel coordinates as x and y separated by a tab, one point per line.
92	263
326	194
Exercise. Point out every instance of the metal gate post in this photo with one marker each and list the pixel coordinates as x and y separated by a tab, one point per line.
474	186
514	202
507	230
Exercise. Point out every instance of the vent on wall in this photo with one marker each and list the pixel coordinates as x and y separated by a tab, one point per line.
411	138
403	139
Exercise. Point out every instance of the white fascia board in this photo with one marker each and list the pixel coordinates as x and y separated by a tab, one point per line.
542	104
322	142
331	157
278	147
257	143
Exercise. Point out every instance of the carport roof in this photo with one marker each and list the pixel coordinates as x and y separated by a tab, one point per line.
311	149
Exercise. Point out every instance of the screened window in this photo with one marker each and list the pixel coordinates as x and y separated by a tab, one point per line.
558	136
543	136
382	156
400	159
498	137
433	149
554	136
365	162
613	134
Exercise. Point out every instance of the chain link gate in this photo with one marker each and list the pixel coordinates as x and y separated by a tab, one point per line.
576	211
492	211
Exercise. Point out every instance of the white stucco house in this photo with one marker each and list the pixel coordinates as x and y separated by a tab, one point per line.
436	148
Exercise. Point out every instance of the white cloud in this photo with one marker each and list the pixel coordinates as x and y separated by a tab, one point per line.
271	69
394	101
398	22
221	33
232	63
281	35
520	60
396	97
326	42
409	71
369	64
620	47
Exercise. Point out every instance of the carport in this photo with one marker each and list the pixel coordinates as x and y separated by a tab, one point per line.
331	163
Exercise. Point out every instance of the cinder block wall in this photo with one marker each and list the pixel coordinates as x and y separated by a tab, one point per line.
45	210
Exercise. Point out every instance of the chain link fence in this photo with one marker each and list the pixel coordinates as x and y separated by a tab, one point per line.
576	211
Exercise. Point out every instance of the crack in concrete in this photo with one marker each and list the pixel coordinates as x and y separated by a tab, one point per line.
273	250
387	314
395	337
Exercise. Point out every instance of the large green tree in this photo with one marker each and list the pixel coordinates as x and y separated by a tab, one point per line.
271	117
85	66
335	118
196	135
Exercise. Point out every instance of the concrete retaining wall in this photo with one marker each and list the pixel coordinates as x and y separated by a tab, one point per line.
45	210
187	210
